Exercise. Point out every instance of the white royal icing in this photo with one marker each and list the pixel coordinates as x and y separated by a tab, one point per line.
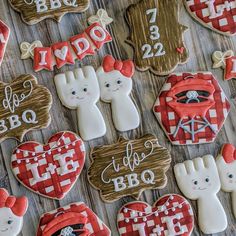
199	180
10	224
116	89
79	90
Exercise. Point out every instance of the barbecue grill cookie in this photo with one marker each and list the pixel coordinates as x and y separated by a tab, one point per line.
191	108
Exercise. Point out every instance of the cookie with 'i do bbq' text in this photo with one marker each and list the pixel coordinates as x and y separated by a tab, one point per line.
156	35
24	106
129	167
34	11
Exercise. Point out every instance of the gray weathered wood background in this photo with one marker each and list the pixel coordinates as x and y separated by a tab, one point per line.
201	43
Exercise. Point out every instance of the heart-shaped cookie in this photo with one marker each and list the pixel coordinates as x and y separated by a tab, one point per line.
171	215
52	169
61	54
4	36
218	15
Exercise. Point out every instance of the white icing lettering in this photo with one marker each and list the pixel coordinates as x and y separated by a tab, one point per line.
119	184
148	177
219	10
36	176
2	39
13	100
64	165
132	180
102	34
70	3
14	121
55	4
43	58
153	13
41	5
29	117
78	45
3	127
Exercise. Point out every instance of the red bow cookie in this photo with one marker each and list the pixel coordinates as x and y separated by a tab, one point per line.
171	215
126	68
218	15
50	170
72	220
4	36
17	205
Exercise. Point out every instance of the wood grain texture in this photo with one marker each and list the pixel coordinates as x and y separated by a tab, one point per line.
31	15
24	106
156	35
143	158
200	42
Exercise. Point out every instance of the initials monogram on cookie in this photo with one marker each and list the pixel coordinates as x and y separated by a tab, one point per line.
50	170
171	216
218	15
34	11
24	105
156	35
129	165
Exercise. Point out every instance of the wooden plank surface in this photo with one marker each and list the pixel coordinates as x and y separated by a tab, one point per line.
201	43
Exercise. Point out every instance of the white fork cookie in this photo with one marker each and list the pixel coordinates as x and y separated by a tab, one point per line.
79	89
198	179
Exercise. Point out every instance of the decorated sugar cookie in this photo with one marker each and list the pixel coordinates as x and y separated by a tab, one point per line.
34	11
79	89
74	219
227	61
12	210
52	169
4	36
24	106
115	79
171	215
76	48
156	35
226	164
191	108
198	179
218	15
129	167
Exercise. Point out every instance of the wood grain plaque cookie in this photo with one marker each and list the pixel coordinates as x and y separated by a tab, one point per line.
156	35
129	167
24	105
34	11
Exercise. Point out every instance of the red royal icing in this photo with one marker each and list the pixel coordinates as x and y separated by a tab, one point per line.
43	59
230	68
4	36
126	68
62	54
229	153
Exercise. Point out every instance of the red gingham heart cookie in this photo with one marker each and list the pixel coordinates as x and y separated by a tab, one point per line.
218	15
4	36
50	170
171	215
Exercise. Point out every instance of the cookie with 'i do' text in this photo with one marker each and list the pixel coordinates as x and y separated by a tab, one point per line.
129	167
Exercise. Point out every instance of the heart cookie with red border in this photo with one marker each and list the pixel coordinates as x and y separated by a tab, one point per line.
52	169
171	215
4	36
218	15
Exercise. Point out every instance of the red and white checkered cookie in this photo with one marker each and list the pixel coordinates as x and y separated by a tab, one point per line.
191	108
171	215
74	219
4	36
218	15
52	169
